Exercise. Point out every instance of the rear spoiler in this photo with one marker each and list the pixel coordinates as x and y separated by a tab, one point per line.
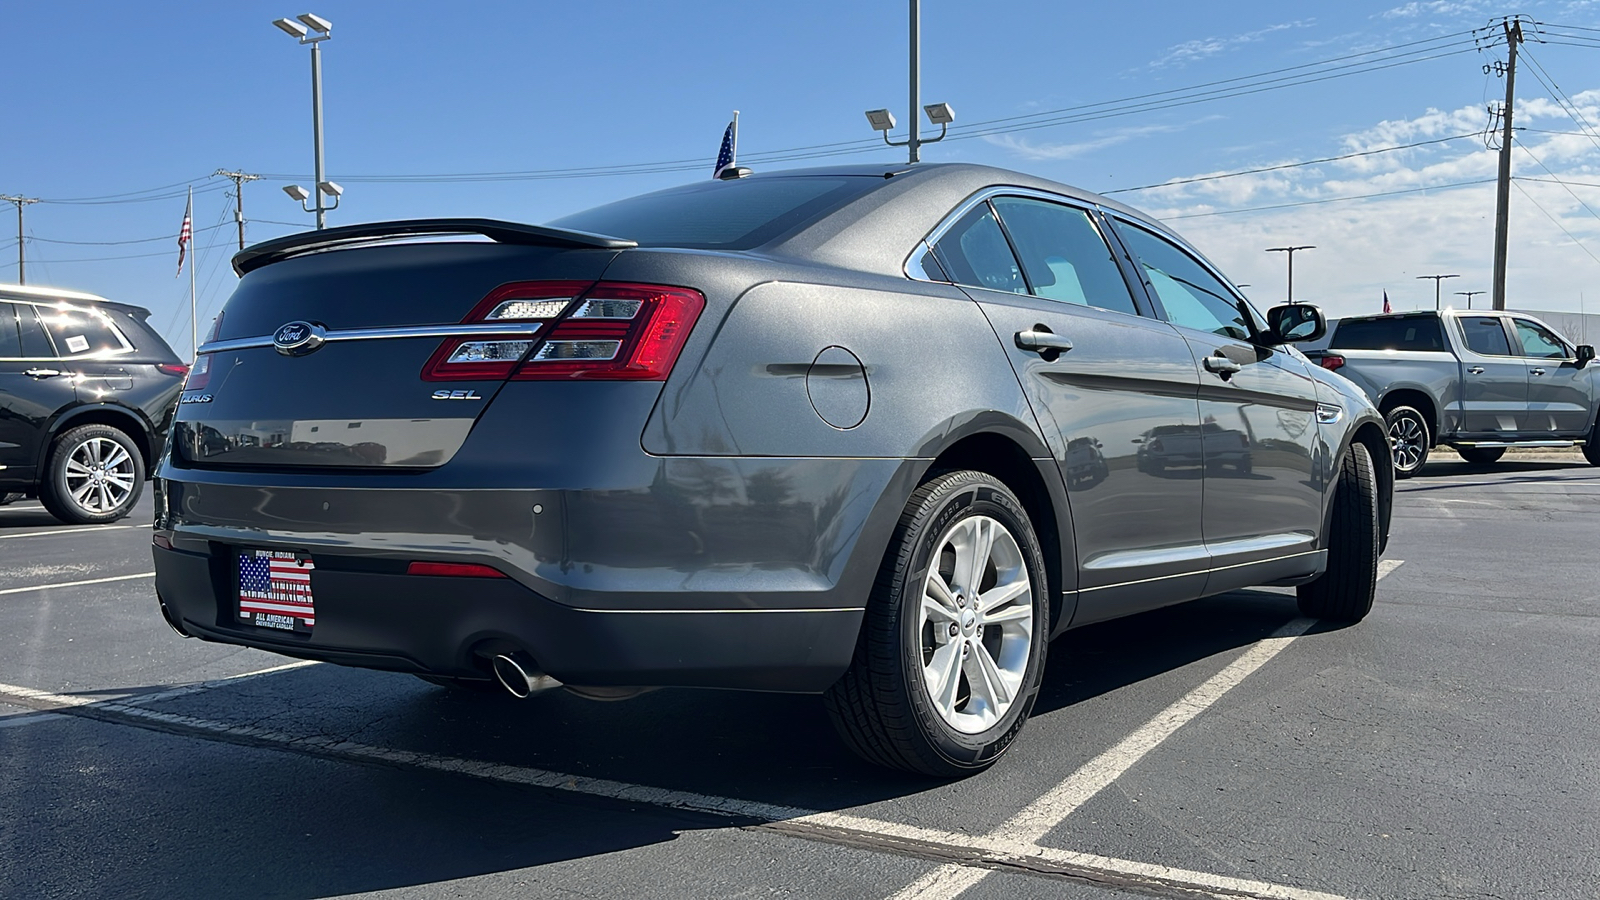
278	249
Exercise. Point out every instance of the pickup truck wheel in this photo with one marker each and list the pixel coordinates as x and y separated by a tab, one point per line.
1409	440
1344	592
94	474
1591	448
1481	456
952	647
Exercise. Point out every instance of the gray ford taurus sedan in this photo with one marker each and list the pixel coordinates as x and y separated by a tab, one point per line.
821	431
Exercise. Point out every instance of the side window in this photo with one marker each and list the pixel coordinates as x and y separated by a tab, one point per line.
21	320
1064	255
1193	297
10	339
1485	335
80	332
1539	342
974	252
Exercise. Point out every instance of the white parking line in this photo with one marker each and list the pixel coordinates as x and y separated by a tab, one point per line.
7	537
67	584
1024	830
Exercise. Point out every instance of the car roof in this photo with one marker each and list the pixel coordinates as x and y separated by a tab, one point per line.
39	294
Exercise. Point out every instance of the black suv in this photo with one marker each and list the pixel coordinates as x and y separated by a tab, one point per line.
87	391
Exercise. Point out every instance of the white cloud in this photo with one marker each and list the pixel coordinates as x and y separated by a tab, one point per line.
1434	8
1032	150
1201	48
1365	247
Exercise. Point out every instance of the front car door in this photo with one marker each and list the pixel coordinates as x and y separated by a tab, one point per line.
34	386
1043	272
1494	383
1259	437
1560	394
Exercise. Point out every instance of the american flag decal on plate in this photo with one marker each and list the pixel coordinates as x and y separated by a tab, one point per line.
275	590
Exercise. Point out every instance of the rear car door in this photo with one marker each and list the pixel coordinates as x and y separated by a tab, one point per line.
1104	380
1559	392
1257	413
1494	383
34	386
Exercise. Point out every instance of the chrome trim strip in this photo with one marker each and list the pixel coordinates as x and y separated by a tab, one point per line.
491	329
651	612
1206	571
1141	558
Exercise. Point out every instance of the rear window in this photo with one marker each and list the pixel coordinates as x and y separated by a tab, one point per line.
1389	334
81	332
720	215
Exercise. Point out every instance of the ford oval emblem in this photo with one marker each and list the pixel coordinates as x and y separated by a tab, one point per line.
298	338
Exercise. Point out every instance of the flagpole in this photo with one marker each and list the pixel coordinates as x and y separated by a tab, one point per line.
194	324
735	160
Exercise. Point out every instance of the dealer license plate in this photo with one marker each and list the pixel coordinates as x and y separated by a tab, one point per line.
275	590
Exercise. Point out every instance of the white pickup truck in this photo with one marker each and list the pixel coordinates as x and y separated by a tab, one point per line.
1475	381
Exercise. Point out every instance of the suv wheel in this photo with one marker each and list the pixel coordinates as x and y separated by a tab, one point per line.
953	643
1409	440
1344	592
1591	447
94	474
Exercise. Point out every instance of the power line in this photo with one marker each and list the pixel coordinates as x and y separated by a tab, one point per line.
1249	209
1293	165
149	240
1556	221
1557	180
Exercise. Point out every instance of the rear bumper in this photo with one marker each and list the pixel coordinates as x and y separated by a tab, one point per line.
451	626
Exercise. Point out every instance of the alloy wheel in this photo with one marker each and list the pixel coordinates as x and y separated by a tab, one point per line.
976	624
100	475
1407	441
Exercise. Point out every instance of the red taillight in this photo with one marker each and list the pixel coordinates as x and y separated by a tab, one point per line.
1331	362
617	332
454	570
178	369
606	331
493	357
199	374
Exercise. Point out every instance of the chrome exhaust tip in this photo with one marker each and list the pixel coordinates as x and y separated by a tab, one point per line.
520	675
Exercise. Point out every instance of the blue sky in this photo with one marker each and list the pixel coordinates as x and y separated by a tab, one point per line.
113	98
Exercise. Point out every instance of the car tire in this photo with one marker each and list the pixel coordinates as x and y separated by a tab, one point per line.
1591	447
94	474
1410	439
908	700
1344	592
1481	456
465	685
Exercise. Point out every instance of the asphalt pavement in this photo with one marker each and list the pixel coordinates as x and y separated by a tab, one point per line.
1444	747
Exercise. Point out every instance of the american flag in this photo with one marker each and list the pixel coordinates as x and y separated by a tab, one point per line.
1386	309
186	233
276	583
730	139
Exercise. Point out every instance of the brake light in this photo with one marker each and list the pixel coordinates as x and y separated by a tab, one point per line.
493	357
454	570
178	369
1331	362
617	332
199	373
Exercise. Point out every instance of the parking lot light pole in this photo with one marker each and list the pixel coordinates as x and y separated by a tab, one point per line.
939	114
1469	295
314	30
1290	251
1436	281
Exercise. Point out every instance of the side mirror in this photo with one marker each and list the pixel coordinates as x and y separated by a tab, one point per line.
1585	354
1294	323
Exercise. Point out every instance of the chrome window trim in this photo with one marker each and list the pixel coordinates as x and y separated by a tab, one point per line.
493	329
913	268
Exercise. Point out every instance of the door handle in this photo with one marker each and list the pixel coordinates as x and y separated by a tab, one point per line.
41	373
1221	366
1042	341
1475	370
1537	371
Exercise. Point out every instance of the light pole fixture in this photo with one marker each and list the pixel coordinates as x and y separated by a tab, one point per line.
939	114
313	30
1436	280
1290	251
1469	295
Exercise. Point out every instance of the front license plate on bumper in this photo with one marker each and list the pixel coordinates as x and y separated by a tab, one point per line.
275	591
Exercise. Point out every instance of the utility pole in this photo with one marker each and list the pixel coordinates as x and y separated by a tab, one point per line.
1502	193
20	201
1436	280
1469	295
239	178
1290	251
